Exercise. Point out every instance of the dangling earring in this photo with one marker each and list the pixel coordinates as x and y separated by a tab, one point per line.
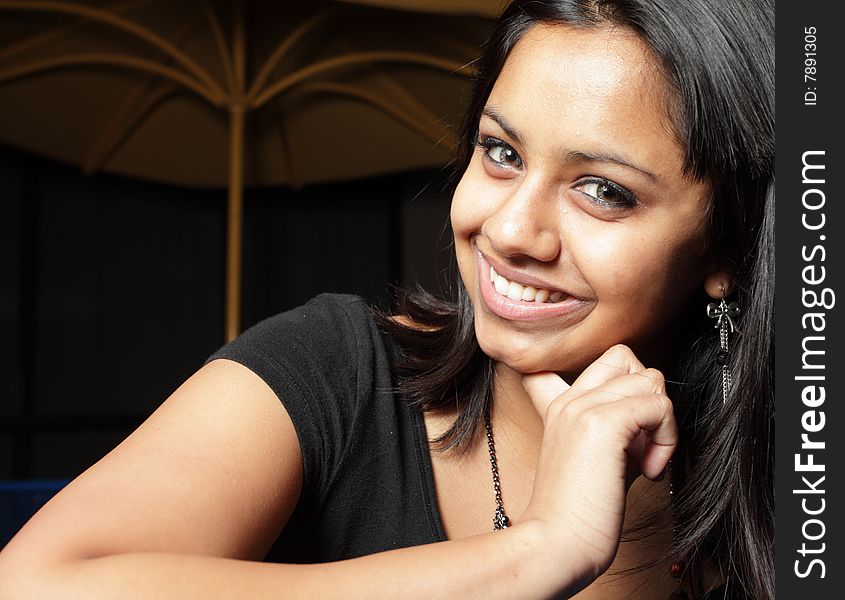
724	313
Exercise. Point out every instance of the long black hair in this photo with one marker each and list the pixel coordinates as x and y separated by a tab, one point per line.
719	57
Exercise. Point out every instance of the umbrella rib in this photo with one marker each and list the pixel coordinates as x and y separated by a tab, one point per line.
42	38
119	22
120	60
357	59
402	97
391	109
136	106
119	129
479	8
283	47
239	48
222	46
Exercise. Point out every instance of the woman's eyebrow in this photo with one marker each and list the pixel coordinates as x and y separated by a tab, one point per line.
579	156
502	122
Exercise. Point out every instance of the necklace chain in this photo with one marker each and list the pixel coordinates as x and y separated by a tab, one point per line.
500	519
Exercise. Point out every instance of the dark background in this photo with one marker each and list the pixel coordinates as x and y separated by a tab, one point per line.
111	292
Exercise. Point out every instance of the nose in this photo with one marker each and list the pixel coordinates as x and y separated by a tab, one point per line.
525	223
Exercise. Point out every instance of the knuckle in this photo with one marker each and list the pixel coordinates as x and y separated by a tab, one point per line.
663	403
656	377
591	421
619	352
569	412
556	409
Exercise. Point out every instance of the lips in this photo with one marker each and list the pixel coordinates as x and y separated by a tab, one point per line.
522	297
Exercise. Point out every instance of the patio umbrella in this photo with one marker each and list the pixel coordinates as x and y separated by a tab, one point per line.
238	93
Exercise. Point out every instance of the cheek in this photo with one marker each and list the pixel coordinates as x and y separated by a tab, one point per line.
467	214
470	204
642	269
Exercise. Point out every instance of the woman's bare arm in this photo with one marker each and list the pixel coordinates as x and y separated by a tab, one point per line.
188	503
214	471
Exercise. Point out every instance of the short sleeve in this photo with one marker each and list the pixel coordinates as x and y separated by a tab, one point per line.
317	358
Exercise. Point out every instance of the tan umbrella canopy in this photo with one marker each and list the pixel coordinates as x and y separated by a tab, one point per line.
238	93
486	8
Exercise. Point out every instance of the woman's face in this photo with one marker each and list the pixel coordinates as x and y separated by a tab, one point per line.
576	196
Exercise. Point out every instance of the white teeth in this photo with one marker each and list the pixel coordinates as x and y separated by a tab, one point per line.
502	285
516	291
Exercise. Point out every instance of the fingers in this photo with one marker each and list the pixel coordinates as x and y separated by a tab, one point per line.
616	393
614	423
654	415
543	389
546	388
647	381
644	425
645	418
616	361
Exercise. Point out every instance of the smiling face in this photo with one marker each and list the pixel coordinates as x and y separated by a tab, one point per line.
576	197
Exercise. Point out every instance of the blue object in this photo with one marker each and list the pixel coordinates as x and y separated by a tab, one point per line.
19	500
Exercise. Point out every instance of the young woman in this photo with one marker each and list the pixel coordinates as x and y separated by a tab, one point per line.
616	178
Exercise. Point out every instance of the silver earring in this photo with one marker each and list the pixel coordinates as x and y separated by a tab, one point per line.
724	313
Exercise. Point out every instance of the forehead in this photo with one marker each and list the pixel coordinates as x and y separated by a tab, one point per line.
600	80
614	59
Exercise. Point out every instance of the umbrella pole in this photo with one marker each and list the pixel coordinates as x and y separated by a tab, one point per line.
234	232
237	111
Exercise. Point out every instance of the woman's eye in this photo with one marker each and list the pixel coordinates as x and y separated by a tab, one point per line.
501	153
607	193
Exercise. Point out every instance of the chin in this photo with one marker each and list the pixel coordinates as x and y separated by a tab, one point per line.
528	357
523	359
513	356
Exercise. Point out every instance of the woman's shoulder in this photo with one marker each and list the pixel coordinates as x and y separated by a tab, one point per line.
328	366
328	348
326	313
325	326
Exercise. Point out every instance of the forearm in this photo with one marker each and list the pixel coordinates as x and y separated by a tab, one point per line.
507	564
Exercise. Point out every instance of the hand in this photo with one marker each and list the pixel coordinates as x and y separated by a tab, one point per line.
612	424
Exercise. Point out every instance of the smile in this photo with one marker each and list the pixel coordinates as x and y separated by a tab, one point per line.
522	300
517	291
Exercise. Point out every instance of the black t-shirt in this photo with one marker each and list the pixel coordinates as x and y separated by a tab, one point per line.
367	484
367	478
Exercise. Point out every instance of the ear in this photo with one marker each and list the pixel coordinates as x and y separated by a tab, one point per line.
718	284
